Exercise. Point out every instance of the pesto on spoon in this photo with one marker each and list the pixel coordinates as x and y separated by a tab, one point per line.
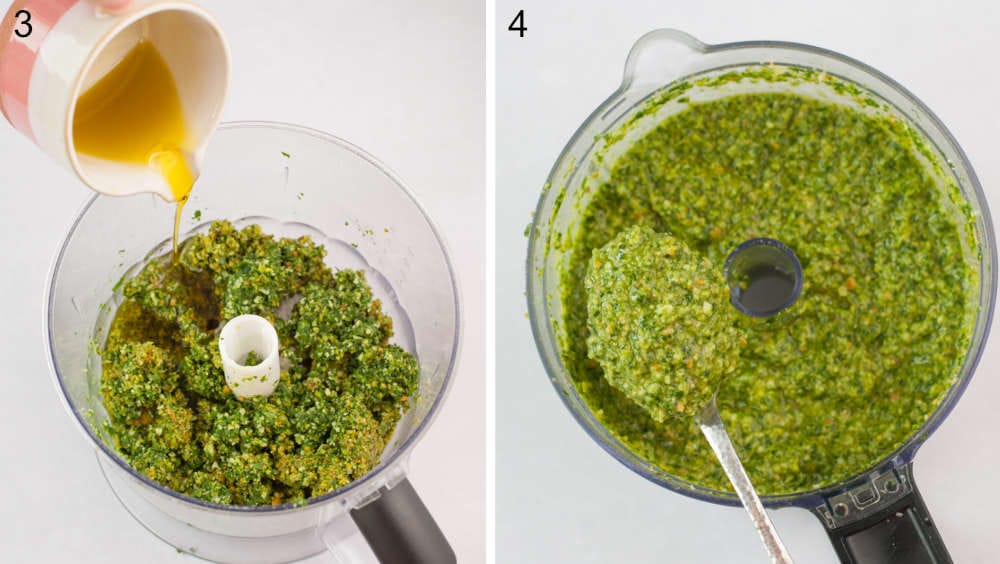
665	335
660	322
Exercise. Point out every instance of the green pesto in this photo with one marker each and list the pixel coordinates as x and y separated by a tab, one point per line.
252	358
171	415
854	368
660	322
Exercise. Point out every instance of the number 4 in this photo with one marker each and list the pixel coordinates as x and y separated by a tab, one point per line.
518	23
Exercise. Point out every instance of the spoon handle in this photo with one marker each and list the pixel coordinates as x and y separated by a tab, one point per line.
711	426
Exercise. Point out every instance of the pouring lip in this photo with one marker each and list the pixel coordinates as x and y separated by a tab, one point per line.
399	456
544	333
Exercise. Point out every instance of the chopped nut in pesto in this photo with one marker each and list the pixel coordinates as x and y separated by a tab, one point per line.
173	418
846	375
660	322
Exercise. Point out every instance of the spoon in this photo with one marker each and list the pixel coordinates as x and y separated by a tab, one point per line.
662	340
765	277
715	433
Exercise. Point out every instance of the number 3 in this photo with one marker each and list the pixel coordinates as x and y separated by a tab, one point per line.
25	23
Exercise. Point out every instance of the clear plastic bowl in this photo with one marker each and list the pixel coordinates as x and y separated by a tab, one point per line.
293	181
659	60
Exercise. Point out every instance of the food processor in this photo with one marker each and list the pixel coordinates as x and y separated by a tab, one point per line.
877	515
292	181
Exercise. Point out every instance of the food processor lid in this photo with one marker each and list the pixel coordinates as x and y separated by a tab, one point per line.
360	487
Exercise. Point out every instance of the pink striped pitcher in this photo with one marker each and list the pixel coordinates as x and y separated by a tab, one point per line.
51	51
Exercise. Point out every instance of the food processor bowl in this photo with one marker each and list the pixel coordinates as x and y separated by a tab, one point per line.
660	64
292	181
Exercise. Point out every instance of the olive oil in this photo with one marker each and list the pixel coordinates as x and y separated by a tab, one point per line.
133	114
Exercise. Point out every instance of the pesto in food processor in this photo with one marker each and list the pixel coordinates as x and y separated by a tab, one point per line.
342	390
844	376
660	323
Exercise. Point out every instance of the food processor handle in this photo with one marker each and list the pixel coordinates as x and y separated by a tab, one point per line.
902	532
400	529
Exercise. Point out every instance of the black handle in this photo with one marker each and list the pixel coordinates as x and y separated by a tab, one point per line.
400	530
899	532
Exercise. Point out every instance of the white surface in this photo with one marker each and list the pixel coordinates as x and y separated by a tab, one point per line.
560	498
403	80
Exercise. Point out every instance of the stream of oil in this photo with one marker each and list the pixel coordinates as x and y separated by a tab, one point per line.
133	114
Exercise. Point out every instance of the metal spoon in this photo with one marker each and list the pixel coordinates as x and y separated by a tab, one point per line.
715	433
765	277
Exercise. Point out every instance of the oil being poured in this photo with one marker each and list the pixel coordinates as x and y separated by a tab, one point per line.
133	115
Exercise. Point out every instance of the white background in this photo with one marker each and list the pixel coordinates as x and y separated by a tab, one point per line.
403	80
560	498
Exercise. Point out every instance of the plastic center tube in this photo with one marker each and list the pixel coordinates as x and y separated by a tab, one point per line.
248	345
764	277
